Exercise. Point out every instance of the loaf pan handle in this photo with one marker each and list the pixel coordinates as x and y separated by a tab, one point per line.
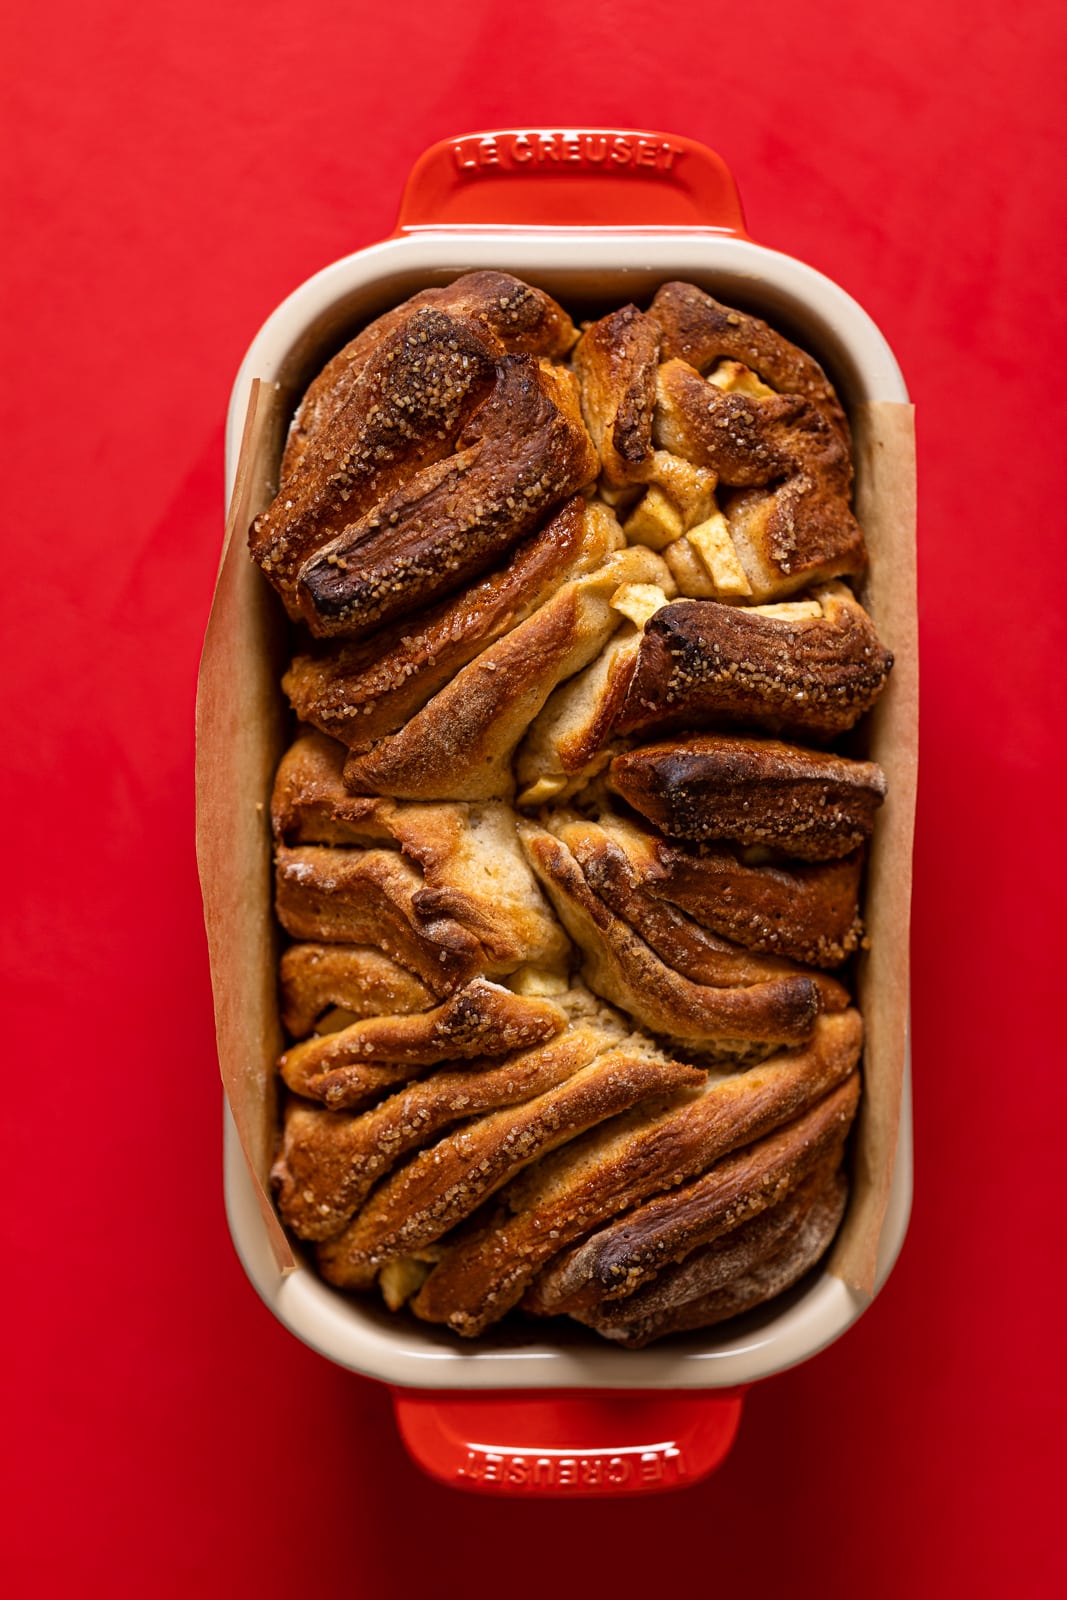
571	178
575	1443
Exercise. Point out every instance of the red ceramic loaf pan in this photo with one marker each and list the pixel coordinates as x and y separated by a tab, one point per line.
597	217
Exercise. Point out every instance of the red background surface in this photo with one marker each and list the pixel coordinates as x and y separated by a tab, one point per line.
171	172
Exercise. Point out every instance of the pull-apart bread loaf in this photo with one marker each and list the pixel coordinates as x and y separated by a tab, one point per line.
567	847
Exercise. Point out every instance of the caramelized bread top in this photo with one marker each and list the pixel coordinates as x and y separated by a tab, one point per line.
586	1048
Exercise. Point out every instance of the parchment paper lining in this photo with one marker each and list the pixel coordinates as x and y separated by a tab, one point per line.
241	732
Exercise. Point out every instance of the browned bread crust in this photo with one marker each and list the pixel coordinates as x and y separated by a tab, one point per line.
747	1266
472	869
414	394
460	745
706	665
615	361
803	803
361	981
371	897
691	950
329	1161
449	452
522	318
522	453
483	619
739	1022
571	740
693	398
790	518
310	804
352	1066
480	1277
807	912
619	1258
695	328
359	691
446	1183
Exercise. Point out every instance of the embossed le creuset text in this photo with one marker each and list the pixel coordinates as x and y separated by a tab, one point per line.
519	151
629	1468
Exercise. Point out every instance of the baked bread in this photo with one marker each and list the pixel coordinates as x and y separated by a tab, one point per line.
808	912
460	745
691	950
487	1272
750	1262
802	803
740	1020
329	1162
344	982
629	1252
569	871
444	1185
360	691
351	1066
522	318
806	669
733	439
457	864
446	450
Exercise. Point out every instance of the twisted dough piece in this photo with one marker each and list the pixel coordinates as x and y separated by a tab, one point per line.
808	670
738	1022
746	1266
487	1271
359	691
630	1251
524	319
356	979
691	950
352	1066
446	1183
460	745
806	911
445	450
453	882
698	330
767	428
329	1162
374	897
804	803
